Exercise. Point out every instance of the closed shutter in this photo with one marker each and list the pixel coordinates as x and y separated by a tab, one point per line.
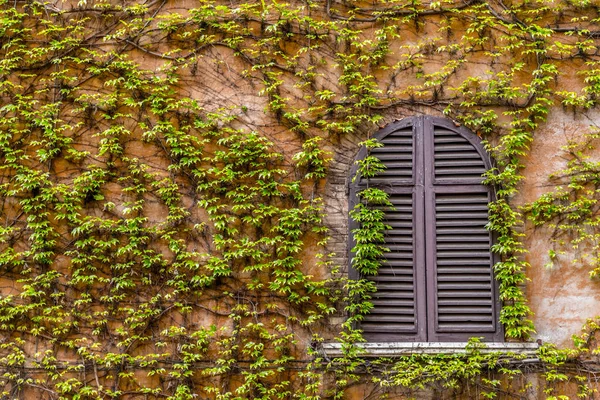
436	283
395	304
399	303
461	279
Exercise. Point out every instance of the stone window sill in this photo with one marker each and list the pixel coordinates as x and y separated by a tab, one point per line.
394	349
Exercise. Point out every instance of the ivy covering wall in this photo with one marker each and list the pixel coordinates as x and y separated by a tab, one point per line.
162	165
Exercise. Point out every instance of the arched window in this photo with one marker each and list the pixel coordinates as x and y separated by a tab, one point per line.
436	283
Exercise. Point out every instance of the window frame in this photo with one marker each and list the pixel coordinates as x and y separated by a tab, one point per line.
424	185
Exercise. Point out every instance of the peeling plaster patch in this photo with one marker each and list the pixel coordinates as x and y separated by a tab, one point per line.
560	317
561	297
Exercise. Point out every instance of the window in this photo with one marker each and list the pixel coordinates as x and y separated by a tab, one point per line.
436	283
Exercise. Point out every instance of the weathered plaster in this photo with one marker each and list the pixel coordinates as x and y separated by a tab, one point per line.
563	296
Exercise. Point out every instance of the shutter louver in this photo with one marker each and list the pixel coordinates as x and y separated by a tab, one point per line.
456	159
464	280
397	155
394	302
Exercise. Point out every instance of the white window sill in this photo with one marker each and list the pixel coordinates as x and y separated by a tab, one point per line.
394	349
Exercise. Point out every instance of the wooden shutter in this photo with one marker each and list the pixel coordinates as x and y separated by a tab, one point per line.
460	282
398	309
399	303
436	283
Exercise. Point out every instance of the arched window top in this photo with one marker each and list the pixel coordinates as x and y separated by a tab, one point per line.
411	143
436	283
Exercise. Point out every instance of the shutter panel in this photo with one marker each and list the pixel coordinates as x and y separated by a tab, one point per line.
397	155
460	281
463	264
456	159
395	312
398	305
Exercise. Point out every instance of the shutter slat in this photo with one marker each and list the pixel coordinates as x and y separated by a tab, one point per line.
392	165
465	285
461	231
464	222
399	247
465	254
395	286
402	313
462	279
461	294
390	148
461	207
385	156
397	263
394	303
460	171
469	214
462	262
395	271
398	216
408	319
391	278
441	131
389	327
383	294
464	302
400	225
467	310
397	239
391	257
402	140
455	198
465	238
453	156
467	147
457	163
471	245
455	319
463	270
394	173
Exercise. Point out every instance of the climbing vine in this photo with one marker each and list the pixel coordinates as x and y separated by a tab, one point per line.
165	170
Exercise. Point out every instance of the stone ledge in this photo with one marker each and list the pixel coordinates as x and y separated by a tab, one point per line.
393	349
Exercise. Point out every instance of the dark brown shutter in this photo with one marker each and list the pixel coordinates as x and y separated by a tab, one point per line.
394	316
436	283
460	281
399	303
